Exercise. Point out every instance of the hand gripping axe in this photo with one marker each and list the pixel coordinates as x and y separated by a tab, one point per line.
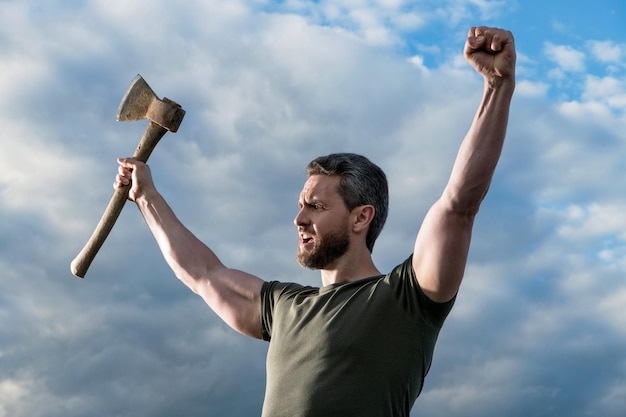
138	103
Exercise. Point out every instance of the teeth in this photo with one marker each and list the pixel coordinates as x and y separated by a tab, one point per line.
305	237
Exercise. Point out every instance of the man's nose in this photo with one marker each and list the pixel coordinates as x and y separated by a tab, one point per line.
300	219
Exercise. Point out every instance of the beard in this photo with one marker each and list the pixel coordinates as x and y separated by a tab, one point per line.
326	250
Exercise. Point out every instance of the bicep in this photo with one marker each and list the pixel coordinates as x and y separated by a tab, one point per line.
235	296
441	250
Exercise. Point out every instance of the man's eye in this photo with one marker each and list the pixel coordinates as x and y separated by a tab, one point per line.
312	206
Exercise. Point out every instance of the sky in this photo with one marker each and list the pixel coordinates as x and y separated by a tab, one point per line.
539	327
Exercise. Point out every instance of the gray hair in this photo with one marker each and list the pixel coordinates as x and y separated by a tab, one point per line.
362	183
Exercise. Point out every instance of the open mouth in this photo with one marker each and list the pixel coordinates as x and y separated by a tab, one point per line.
305	239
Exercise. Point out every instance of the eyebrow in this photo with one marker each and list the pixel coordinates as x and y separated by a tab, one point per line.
310	202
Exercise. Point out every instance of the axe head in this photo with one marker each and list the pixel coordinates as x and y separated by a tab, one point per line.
140	102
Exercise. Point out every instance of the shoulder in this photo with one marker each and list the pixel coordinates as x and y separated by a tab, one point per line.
402	280
277	292
278	289
277	298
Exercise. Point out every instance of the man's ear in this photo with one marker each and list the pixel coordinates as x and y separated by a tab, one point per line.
362	217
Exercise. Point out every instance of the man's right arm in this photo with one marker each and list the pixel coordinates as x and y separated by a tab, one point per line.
233	295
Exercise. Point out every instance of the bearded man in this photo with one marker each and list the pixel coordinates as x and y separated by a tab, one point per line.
362	343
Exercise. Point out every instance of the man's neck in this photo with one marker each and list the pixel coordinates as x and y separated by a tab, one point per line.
350	268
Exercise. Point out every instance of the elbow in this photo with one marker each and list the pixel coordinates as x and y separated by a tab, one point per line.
193	274
465	203
191	281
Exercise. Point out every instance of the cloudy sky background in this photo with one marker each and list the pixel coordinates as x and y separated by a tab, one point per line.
539	328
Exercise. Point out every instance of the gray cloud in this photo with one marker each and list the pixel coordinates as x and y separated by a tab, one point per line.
538	327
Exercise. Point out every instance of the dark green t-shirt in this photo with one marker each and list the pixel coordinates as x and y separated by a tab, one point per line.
354	349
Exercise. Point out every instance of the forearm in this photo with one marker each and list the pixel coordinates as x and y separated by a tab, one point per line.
481	148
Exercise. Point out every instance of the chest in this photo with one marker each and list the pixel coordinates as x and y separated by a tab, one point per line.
353	327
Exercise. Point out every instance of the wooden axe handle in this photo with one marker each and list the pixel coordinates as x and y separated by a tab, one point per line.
81	263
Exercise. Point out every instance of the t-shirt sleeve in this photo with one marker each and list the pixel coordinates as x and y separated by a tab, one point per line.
271	293
267	308
412	297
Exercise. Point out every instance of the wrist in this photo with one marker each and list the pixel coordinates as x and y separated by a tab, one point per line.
504	84
145	196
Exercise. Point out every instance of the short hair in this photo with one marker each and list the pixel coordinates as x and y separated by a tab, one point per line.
362	183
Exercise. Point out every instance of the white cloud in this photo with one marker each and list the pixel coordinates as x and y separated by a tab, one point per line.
12	393
264	93
407	22
612	307
370	27
609	90
391	4
594	221
527	88
606	51
565	57
383	22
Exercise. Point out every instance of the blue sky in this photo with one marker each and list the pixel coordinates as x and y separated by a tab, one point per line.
539	327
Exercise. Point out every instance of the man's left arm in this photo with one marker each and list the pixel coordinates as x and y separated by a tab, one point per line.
442	244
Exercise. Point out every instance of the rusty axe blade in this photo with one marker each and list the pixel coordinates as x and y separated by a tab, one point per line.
138	103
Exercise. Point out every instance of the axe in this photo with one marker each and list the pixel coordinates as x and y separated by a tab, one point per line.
138	103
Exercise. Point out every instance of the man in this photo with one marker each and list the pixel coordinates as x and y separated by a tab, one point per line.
361	344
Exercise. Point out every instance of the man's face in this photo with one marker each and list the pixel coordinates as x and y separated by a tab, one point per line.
322	223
